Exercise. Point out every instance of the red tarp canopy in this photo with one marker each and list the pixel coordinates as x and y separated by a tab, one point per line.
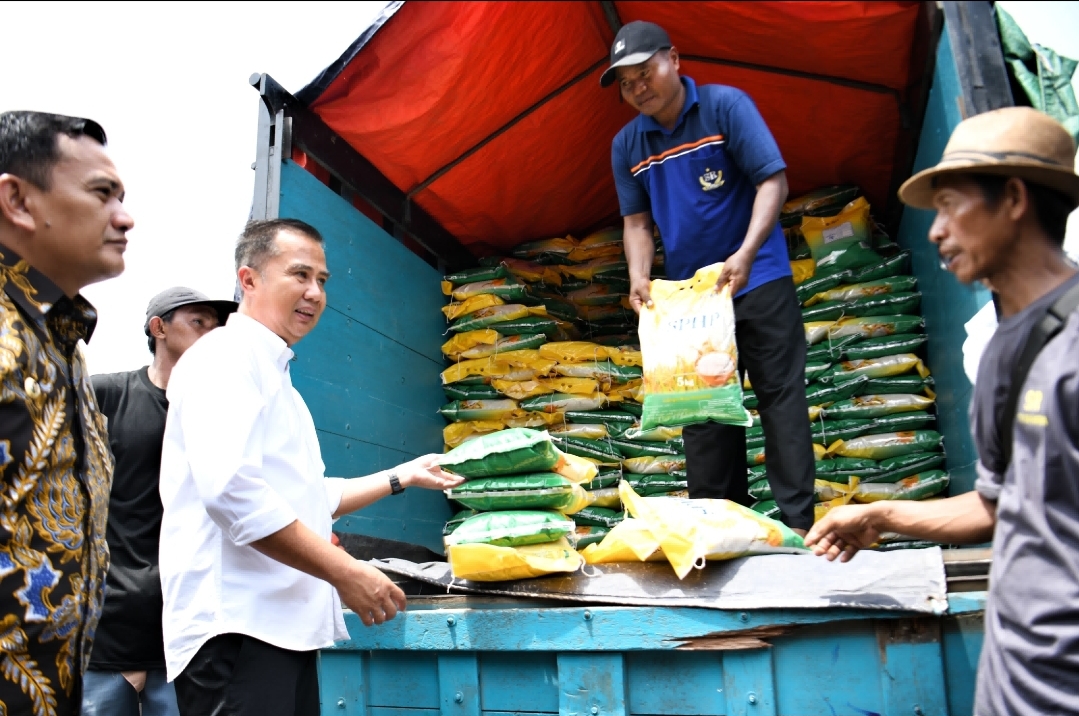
489	115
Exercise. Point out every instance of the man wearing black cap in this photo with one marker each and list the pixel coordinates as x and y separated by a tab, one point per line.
127	664
700	163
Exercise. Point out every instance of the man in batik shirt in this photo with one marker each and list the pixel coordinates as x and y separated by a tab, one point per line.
62	227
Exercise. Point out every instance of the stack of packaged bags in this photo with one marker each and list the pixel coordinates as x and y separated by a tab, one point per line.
871	397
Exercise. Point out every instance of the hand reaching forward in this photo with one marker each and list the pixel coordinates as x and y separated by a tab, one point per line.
425	472
370	594
844	531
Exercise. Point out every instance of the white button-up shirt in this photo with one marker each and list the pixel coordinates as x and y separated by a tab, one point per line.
241	461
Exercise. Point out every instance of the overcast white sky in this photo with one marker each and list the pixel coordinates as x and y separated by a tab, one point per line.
169	84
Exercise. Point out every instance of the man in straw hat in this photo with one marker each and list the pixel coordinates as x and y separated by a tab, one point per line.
1002	192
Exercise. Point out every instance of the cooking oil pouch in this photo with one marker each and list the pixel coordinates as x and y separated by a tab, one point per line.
529	325
901	384
461	391
463	308
690	355
826	311
915	487
586	535
536	491
897	468
803	270
693	531
508	289
826	393
460	410
597	450
852	292
534	249
903	421
883	367
820	282
600	370
522	389
516	365
488	317
654	464
456	521
628	541
575	351
887	305
488	563
831	350
512	528
508	452
886	445
649	485
606	497
884	346
877	405
598	517
630	448
475	275
590	431
768	508
842	241
660	434
561	402
455	435
610	418
826	432
891	266
596	294
876	326
817	199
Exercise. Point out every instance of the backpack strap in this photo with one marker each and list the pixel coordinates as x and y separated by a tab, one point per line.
1050	324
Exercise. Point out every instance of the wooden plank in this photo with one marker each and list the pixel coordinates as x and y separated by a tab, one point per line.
912	667
519	682
676	684
342	683
591	685
749	683
374	279
459	684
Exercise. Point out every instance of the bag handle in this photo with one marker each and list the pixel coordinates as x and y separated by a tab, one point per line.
1051	323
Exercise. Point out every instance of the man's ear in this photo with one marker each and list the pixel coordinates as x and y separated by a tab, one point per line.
674	59
14	193
157	327
248	278
1016	200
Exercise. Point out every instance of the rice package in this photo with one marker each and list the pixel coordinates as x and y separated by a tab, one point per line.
505	453
536	491
512	528
841	242
690	356
490	563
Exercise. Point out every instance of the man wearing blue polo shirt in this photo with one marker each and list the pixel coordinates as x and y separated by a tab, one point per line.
700	163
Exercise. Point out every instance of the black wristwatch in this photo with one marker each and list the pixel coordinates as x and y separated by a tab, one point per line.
395	485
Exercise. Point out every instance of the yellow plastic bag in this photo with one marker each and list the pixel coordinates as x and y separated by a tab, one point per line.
605	497
628	541
690	357
632	391
576	470
455	434
626	357
589	431
517	365
654	464
487	563
455	310
469	339
587	271
803	270
533	272
575	351
529	419
519	390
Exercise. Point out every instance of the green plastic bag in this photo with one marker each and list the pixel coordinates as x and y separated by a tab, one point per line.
535	491
877	326
815	370
653	464
660	484
877	405
826	432
810	288
749	399
754	437
903	421
599	517
885	346
895	469
655	435
830	350
868	289
842	469
589	431
595	294
891	266
885	445
589	534
529	325
915	487
760	491
823	393
632	408
506	452
883	367
484	273
599	370
597	450
488	317
615	420
768	508
630	448
842	241
461	391
560	402
457	520
557	246
460	410
887	305
508	289
607	477
513	528
758	473
822	198
900	384
826	311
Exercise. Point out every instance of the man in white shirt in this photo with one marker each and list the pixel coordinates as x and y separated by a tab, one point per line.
252	584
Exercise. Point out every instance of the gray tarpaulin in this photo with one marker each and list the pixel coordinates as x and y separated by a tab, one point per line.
908	580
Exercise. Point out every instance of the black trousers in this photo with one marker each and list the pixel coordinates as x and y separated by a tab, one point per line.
772	348
238	675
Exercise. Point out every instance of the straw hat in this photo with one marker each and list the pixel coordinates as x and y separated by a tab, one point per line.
1015	142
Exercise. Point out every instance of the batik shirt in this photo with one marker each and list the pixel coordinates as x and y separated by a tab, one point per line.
55	476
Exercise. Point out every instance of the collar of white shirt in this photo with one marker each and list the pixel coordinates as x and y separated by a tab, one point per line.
274	346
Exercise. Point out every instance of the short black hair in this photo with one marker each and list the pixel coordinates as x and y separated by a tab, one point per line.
257	242
30	146
1051	208
166	317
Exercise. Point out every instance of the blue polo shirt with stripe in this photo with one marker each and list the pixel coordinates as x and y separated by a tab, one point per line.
699	180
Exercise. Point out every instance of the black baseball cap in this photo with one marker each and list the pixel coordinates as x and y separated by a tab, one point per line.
634	44
172	298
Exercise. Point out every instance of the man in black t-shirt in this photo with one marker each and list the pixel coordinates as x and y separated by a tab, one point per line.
127	665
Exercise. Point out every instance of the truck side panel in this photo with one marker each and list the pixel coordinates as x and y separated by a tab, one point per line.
946	303
369	371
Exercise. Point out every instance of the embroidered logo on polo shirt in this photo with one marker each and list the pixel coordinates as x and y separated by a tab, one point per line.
1032	408
710	180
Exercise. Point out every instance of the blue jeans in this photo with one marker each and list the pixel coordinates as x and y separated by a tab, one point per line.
107	693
